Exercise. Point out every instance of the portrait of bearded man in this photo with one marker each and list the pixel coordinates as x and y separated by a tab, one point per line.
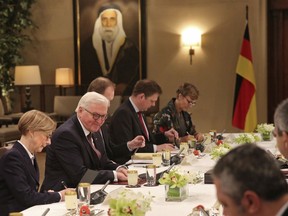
109	52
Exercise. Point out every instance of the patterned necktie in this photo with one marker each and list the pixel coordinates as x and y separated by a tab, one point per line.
90	140
144	128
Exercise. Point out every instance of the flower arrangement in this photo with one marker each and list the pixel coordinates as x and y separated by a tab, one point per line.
265	128
219	150
127	203
247	138
194	177
175	185
174	179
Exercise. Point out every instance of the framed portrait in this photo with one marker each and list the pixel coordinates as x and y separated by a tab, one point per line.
110	42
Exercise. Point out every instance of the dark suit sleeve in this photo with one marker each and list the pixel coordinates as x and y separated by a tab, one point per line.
75	158
124	127
22	184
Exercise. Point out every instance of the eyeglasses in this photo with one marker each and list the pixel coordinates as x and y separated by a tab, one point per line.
191	102
96	116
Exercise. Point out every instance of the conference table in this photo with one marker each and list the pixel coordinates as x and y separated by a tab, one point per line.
199	194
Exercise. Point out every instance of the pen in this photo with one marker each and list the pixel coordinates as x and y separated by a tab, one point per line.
64	184
46	211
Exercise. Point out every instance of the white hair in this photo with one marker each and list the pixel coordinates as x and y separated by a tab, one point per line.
90	98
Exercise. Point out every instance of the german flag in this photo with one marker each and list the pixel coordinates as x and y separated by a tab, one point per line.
244	110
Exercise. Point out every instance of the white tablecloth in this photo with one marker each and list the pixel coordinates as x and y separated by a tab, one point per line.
198	193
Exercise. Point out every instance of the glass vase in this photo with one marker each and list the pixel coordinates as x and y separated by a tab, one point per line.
176	194
267	136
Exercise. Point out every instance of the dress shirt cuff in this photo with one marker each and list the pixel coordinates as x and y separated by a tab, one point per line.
129	147
115	176
60	196
121	166
155	148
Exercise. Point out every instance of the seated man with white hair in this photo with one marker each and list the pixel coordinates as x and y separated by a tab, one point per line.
77	146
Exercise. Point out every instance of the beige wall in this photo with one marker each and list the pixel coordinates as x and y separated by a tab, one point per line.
213	68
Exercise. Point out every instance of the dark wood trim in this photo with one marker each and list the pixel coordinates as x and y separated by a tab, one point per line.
277	77
278	5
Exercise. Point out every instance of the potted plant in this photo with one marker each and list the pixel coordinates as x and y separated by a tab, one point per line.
15	17
127	202
265	130
176	185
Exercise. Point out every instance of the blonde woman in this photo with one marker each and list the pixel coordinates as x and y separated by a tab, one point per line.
19	173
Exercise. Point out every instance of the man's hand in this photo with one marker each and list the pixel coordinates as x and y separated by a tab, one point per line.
199	137
137	142
121	175
171	134
165	146
62	192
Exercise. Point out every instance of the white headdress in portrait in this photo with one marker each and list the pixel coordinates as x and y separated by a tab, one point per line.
116	44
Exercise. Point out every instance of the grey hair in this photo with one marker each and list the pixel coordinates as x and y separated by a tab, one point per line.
281	117
92	98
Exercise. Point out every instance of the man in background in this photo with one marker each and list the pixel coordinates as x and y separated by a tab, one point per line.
128	122
114	55
281	127
248	181
104	86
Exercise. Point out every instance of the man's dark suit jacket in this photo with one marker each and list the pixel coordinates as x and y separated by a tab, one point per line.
19	182
124	127
70	155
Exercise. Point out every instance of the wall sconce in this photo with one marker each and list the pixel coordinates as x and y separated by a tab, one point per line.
191	37
27	76
64	78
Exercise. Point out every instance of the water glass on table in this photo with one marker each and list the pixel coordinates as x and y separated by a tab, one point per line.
84	192
150	175
166	156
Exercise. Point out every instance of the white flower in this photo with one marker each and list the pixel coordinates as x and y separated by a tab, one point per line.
194	177
265	128
247	138
219	151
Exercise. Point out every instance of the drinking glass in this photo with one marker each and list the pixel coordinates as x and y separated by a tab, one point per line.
132	178
71	201
151	175
157	159
83	194
166	156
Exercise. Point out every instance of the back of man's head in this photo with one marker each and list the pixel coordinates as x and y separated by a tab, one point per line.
281	117
250	167
100	84
92	98
148	87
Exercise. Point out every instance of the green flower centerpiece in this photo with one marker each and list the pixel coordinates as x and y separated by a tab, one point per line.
176	185
265	130
247	138
127	203
219	150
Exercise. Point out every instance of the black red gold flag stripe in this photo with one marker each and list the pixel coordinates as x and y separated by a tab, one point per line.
244	109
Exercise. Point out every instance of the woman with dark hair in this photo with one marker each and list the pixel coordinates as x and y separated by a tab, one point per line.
175	115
